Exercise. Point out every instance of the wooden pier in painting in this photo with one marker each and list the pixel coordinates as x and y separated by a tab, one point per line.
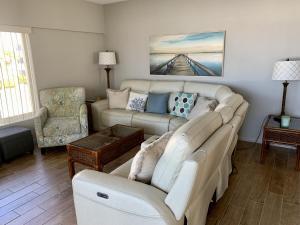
181	64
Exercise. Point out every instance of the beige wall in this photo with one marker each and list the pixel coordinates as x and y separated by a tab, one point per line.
66	37
259	32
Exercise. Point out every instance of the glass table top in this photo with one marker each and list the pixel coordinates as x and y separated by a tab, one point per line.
273	124
106	137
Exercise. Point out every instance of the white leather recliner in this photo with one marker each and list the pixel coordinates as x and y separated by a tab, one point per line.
181	188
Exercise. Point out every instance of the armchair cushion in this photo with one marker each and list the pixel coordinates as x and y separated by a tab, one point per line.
61	126
62	102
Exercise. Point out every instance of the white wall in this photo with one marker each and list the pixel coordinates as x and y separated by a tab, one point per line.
66	37
259	32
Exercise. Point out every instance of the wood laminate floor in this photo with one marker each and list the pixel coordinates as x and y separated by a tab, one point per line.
36	189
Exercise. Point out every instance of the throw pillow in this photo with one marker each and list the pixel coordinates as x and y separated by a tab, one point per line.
202	106
117	99
145	160
137	101
157	103
184	103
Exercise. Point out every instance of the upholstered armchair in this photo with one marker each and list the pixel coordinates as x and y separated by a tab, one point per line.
62	117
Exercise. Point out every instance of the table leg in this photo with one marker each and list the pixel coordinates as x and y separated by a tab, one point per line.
265	145
71	168
298	158
99	167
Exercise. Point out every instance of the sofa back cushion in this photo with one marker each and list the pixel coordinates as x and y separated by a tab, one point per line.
228	100
182	144
62	102
228	106
136	85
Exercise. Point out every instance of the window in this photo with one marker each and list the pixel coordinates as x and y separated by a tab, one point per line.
17	83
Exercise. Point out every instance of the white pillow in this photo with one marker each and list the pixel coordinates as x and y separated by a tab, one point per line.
202	106
117	99
145	160
137	101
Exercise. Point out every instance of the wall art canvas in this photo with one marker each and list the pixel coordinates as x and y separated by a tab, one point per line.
198	54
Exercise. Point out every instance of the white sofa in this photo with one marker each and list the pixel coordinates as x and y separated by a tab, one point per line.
182	188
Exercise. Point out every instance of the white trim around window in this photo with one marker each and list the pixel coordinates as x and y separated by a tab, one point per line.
16	29
18	91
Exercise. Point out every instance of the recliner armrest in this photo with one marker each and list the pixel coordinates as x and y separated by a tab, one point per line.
121	194
97	108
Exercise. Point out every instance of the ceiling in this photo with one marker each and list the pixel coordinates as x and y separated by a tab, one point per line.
104	2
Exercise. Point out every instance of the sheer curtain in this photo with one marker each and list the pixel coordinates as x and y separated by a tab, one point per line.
17	84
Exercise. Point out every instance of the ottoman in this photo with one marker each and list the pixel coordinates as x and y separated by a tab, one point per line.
15	141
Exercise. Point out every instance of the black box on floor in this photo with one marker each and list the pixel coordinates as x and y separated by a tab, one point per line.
15	141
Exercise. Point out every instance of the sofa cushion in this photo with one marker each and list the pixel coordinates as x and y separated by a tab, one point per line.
157	103
151	122
202	106
145	160
117	99
176	122
184	103
112	117
182	144
61	126
137	101
228	106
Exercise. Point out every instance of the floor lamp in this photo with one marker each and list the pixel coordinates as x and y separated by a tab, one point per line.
285	71
107	59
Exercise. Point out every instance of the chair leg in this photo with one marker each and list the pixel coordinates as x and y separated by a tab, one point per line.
43	151
185	220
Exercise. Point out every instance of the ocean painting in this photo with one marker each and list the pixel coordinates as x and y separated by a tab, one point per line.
199	54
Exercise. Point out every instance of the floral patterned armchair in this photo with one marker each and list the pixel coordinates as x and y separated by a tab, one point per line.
62	118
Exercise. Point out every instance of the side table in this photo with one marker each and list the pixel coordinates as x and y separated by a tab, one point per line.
274	133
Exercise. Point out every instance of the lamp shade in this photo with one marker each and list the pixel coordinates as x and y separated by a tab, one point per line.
107	58
286	70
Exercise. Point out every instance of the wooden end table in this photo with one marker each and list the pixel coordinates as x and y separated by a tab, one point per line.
274	133
98	149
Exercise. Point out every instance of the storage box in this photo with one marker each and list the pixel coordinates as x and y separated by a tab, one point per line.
15	141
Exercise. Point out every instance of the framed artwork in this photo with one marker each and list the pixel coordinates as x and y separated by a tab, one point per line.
198	54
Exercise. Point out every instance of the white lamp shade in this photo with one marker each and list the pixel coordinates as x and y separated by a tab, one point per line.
286	70
107	58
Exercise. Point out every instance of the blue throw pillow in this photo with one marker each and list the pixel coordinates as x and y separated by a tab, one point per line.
157	103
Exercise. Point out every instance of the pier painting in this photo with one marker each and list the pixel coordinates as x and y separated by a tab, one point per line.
199	54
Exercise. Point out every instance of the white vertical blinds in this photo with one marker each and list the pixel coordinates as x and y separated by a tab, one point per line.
17	85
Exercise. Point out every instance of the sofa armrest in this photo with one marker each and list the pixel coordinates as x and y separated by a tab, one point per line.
39	122
97	108
179	195
83	118
120	194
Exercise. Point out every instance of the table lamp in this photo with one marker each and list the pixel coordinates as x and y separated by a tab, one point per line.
107	59
286	71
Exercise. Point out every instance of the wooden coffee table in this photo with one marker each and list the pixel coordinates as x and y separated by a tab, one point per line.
100	148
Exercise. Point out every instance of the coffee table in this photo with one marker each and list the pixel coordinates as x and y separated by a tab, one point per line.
100	148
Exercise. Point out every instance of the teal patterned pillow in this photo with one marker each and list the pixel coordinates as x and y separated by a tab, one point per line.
183	104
